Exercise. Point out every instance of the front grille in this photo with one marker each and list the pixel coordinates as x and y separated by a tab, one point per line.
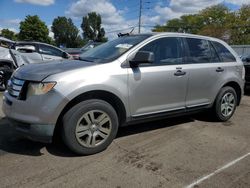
15	87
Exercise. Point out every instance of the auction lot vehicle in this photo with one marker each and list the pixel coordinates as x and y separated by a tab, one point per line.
15	54
246	61
76	52
131	79
41	51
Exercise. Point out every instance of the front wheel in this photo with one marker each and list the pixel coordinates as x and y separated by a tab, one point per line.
225	104
5	74
90	126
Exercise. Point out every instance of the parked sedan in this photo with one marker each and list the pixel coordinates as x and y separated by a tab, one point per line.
41	51
15	54
76	52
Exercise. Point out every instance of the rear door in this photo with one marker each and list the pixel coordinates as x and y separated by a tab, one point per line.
206	72
161	86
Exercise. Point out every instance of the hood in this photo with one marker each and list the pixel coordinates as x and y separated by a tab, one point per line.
39	71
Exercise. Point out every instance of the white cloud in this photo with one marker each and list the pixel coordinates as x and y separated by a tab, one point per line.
238	2
37	2
177	8
11	24
10	21
113	19
184	6
51	34
109	13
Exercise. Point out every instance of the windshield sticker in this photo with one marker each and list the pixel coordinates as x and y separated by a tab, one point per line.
126	46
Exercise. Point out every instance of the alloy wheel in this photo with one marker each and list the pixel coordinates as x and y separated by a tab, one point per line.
93	128
228	103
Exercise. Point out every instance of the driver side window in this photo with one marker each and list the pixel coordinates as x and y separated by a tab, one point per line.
47	50
166	50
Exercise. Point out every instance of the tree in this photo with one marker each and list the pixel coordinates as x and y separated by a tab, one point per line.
8	34
240	26
215	19
91	26
32	28
66	33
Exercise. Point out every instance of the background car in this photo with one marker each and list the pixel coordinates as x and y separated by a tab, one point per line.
15	54
246	61
41	51
75	52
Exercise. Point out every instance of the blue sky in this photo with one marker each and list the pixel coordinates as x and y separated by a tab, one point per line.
116	14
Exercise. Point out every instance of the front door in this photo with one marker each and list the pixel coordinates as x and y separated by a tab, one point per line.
161	86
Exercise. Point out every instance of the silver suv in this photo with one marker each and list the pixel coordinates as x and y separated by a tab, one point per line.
124	81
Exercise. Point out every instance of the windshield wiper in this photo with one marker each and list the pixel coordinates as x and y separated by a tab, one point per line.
88	60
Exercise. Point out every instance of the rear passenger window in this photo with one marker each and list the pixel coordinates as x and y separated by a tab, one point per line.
166	50
199	51
224	54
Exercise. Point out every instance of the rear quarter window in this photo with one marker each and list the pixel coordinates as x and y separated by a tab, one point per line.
224	54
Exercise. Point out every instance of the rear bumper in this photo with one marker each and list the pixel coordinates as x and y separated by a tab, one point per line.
35	132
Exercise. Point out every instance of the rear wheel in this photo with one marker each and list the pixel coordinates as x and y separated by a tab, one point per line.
90	126
225	104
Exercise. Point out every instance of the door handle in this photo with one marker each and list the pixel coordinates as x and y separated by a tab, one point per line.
179	73
219	69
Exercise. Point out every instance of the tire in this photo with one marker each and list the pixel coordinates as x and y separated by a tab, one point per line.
5	74
225	104
89	127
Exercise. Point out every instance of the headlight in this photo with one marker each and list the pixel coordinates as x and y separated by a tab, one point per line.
39	88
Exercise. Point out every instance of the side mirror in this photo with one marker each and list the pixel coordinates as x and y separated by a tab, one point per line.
65	55
142	57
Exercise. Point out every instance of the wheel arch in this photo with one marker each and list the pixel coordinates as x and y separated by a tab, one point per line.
237	89
109	97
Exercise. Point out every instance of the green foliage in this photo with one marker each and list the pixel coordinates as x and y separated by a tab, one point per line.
216	21
66	33
32	28
91	26
8	34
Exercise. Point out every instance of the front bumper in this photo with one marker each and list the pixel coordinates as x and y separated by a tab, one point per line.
34	118
35	132
247	82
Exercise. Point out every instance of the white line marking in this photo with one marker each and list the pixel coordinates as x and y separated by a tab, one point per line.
217	171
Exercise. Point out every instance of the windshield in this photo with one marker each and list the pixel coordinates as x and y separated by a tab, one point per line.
112	49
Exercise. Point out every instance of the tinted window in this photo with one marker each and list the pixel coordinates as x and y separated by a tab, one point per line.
224	54
50	50
214	56
166	50
199	51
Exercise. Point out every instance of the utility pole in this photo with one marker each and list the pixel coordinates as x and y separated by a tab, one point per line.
139	28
